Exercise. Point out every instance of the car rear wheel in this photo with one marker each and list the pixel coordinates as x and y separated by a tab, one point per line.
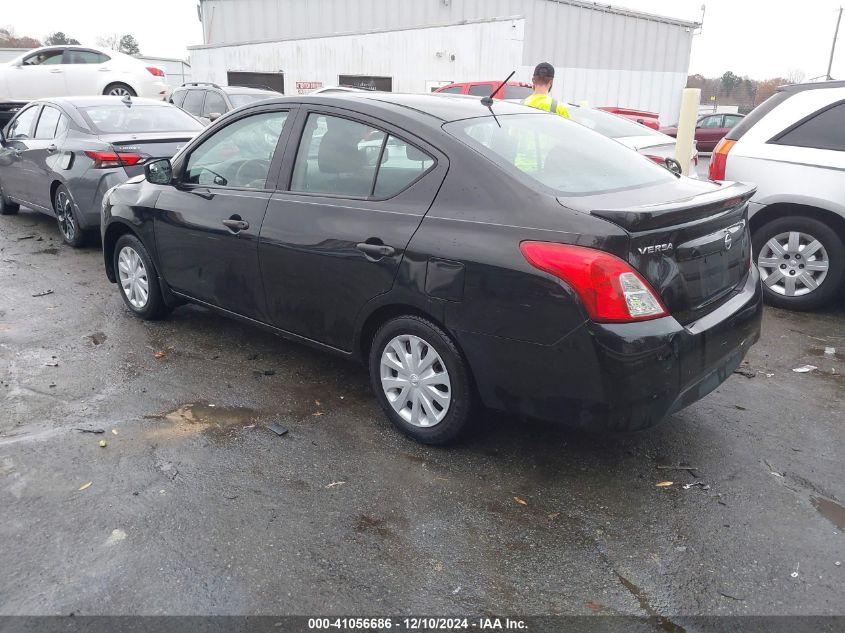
66	218
421	380
119	90
7	207
138	279
801	262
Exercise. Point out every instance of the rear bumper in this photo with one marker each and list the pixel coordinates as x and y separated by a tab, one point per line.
618	376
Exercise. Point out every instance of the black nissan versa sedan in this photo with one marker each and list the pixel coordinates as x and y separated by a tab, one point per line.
469	255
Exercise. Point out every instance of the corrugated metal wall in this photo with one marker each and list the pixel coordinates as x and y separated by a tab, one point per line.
566	32
606	56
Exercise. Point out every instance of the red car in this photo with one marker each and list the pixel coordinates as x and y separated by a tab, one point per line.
649	119
512	90
709	129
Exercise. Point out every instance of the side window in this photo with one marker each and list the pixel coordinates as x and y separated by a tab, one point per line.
213	103
337	156
193	102
239	155
823	130
481	90
44	58
711	121
47	122
732	119
73	56
178	97
454	90
401	165
21	127
62	126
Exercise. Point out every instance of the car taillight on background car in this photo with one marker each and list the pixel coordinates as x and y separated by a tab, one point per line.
719	160
107	160
158	72
610	289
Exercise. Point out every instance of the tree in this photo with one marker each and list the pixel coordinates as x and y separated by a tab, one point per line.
729	82
8	39
125	44
795	76
59	38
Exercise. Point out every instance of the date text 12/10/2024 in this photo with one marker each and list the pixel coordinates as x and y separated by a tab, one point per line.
417	624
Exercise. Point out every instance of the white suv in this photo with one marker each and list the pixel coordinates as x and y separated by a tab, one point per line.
793	148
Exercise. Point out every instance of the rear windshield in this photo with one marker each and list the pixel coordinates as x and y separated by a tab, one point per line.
118	118
558	154
609	124
239	100
517	92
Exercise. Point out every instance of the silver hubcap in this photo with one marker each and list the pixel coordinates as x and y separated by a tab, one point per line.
64	215
793	264
133	277
415	381
117	91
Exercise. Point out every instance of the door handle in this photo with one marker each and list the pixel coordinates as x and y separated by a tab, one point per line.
376	251
236	225
51	148
56	70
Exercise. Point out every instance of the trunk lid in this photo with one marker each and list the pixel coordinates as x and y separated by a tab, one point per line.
153	145
695	250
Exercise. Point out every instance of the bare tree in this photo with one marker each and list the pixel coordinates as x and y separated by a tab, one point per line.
8	39
795	76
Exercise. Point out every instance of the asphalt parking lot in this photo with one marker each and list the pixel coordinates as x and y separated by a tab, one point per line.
194	506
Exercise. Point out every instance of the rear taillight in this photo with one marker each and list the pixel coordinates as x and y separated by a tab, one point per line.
158	72
610	289
107	160
719	159
660	160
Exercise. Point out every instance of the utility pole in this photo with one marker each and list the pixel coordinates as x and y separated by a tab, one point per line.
833	46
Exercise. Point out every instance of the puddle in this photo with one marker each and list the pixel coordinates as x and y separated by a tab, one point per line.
97	338
830	510
204	417
820	352
366	524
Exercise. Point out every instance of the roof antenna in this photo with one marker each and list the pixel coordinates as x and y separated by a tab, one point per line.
488	101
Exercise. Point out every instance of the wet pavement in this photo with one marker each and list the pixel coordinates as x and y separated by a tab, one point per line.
195	507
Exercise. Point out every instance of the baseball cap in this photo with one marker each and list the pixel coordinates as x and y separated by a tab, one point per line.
544	70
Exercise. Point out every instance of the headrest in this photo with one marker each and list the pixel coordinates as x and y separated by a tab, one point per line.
339	153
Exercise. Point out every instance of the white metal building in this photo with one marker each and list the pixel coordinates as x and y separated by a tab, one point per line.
605	55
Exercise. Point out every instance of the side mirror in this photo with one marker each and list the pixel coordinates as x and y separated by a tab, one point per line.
213	116
159	172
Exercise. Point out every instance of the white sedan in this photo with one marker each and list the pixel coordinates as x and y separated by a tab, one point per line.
62	71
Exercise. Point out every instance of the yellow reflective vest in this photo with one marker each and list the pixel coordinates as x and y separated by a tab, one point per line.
546	102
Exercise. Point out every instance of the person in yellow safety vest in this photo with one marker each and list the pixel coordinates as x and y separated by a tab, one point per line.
544	77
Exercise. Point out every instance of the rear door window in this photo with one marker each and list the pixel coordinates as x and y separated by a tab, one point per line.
337	156
517	92
732	119
455	90
214	104
193	102
401	164
824	129
238	155
178	97
73	56
47	123
481	90
711	121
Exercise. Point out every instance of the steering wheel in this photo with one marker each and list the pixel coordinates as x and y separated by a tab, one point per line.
259	170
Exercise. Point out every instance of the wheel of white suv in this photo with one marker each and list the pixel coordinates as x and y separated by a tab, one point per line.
801	262
137	279
421	380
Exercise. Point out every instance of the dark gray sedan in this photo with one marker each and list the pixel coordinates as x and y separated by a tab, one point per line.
60	156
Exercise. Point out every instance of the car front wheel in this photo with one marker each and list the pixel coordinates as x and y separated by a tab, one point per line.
7	207
421	380
801	262
138	279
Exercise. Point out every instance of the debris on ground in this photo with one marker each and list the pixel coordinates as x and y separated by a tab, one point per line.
805	369
741	408
335	484
25	237
43	293
727	595
97	431
116	536
553	515
318	414
278	429
520	501
664	484
159	355
103	443
52	363
670	467
838	563
830	351
795	573
114	431
699	484
249	426
85	486
748	373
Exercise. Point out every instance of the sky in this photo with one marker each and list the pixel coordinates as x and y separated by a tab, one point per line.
748	37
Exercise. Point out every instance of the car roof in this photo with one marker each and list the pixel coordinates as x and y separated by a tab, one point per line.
817	85
435	109
87	102
248	90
